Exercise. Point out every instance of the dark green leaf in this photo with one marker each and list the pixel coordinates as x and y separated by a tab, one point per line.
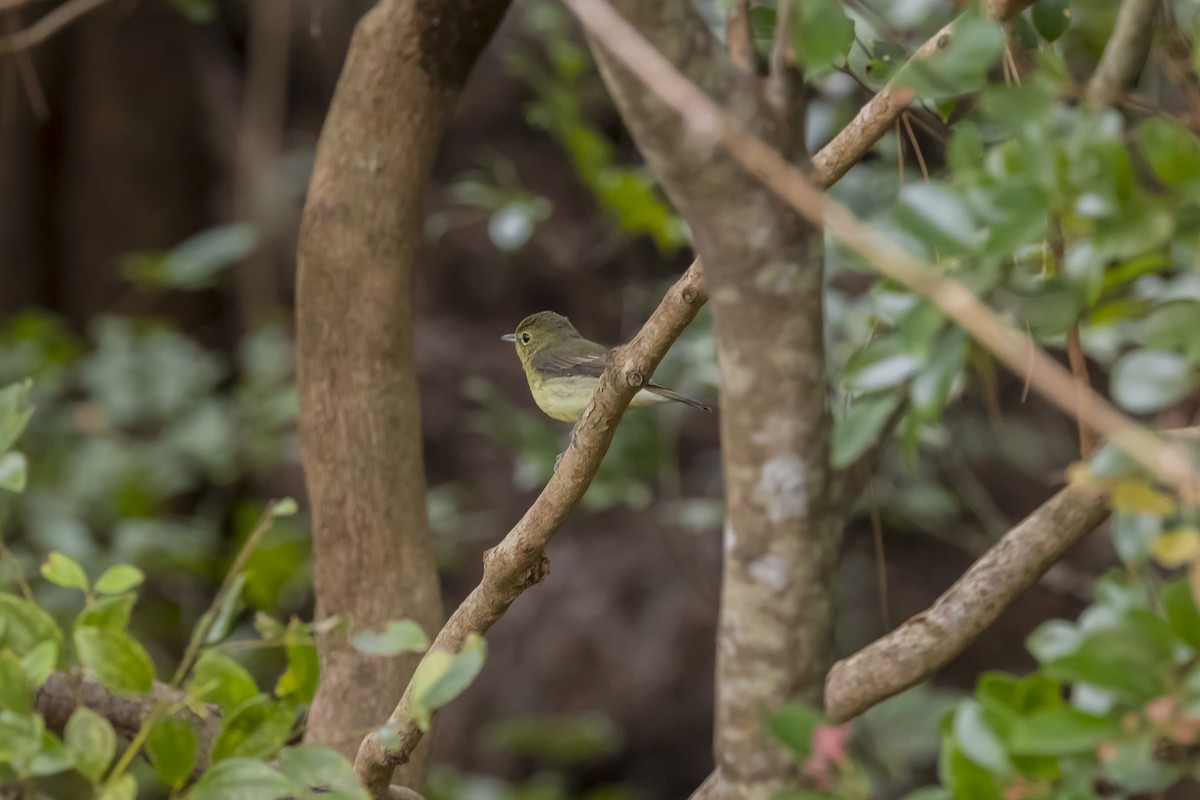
324	772
15	411
1173	327
977	740
1149	380
256	729
854	433
1051	18
231	605
1181	612
400	636
221	680
961	61
1173	153
119	578
931	388
115	659
241	779
64	571
91	741
822	35
882	364
1062	732
52	758
171	747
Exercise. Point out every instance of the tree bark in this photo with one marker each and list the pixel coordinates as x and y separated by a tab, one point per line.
764	270
359	416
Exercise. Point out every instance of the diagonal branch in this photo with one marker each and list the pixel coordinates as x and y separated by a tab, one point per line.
1168	462
518	561
876	118
1125	53
47	26
928	641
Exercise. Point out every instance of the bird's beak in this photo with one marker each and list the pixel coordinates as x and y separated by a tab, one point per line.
509	337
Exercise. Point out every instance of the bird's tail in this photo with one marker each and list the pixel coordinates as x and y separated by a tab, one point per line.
677	397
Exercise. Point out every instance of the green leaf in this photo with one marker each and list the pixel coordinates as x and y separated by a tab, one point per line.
115	659
442	676
400	636
231	605
323	772
91	741
1109	462
52	758
256	729
1172	152
16	692
284	508
854	433
13	468
15	411
25	624
794	725
39	662
1062	732
171	747
931	387
222	680
1051	18
1053	640
1180	608
936	214
1173	327
241	779
1144	226
1131	656
64	571
961	62
882	364
822	35
1149	380
1135	768
123	787
119	578
298	683
110	612
197	262
977	740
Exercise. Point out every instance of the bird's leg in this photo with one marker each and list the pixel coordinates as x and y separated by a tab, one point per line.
570	445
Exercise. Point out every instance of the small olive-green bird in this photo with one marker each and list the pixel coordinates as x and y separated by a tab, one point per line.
563	368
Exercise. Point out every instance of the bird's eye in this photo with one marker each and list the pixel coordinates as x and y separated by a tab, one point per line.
524	338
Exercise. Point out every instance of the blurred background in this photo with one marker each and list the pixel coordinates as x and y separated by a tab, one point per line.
154	156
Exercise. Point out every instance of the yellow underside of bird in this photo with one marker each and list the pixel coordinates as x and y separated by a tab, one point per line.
564	399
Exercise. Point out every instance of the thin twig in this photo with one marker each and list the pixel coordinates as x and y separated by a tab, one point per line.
28	72
48	25
881	580
239	563
912	137
1166	461
1087	437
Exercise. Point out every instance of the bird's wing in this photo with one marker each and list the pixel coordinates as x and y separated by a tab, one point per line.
560	365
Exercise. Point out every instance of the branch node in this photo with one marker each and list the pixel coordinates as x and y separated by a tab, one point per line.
635	378
689	295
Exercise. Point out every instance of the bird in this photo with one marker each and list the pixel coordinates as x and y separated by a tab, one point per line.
563	368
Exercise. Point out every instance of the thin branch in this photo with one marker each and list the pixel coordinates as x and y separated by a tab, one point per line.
1168	462
48	25
63	692
1083	384
13	5
518	561
1125	53
879	114
928	641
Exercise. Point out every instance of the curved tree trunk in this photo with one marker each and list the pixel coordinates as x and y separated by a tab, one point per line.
359	417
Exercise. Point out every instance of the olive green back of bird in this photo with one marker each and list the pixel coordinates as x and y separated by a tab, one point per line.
563	368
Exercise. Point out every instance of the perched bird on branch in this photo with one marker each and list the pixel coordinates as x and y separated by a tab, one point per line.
563	368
